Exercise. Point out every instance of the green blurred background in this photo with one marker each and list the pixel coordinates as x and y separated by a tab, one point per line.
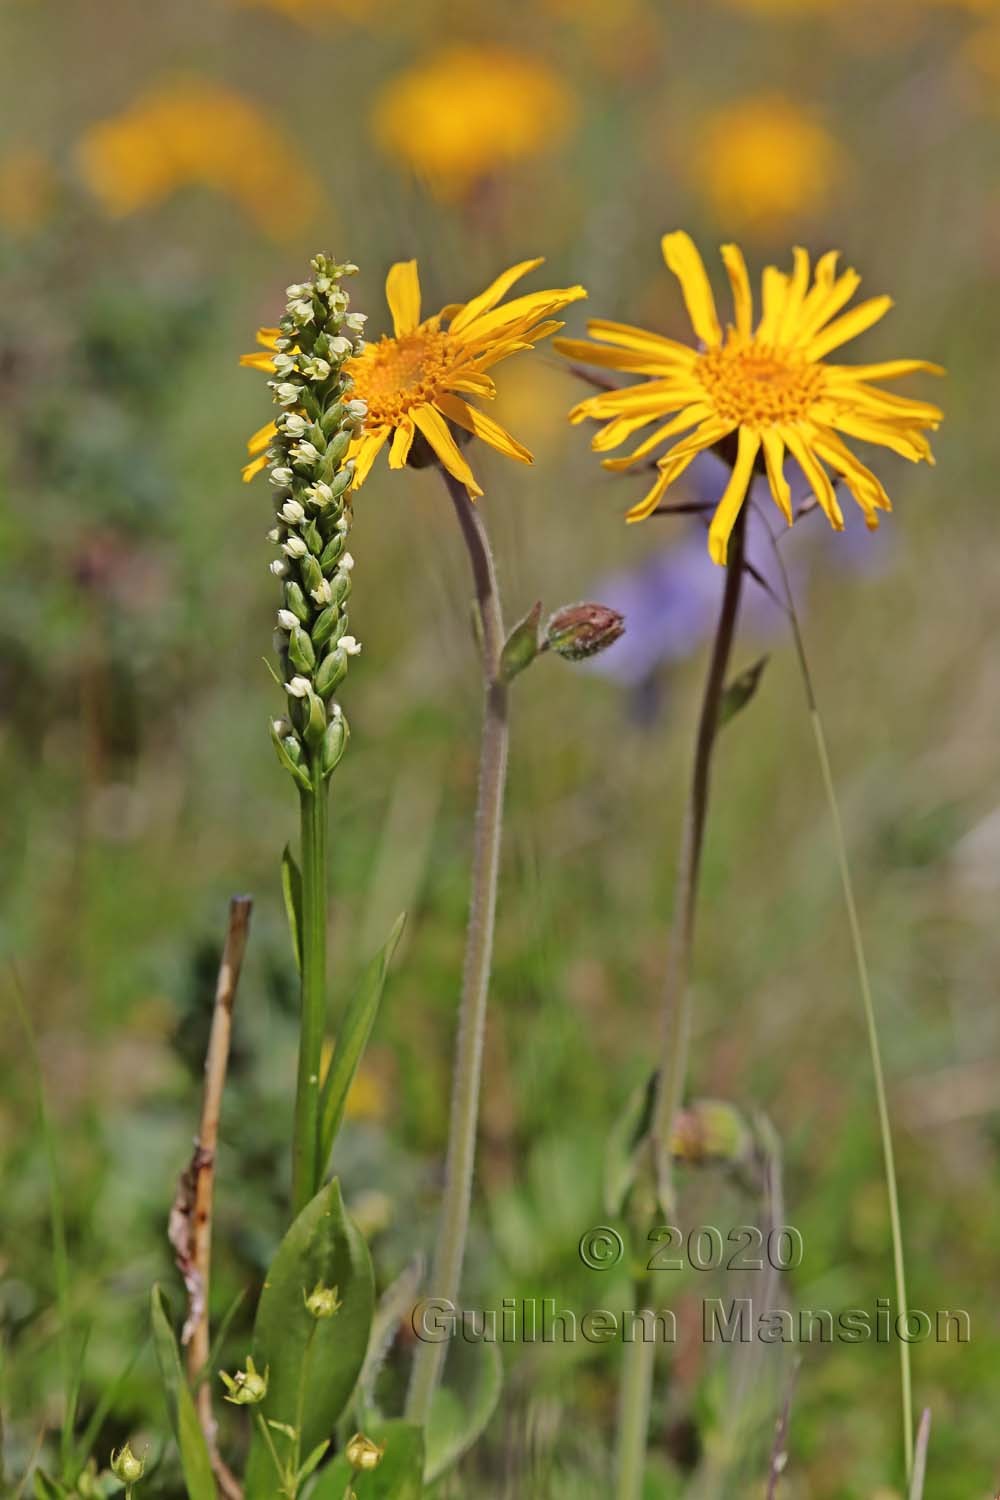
164	172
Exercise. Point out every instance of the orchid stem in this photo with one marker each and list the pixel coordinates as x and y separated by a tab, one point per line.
306	1165
450	1250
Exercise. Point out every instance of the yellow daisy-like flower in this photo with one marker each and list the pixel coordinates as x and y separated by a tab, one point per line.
768	385
469	112
417	380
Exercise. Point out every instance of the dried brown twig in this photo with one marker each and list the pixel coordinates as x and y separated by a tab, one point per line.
190	1227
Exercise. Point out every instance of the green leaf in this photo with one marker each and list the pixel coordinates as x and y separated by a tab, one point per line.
521	646
398	1477
351	1042
313	1363
195	1461
291	889
393	1307
456	1423
738	693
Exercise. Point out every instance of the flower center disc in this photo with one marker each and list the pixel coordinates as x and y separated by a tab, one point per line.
396	374
759	385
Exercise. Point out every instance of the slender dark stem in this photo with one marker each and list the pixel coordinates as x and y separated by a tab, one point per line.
305	1147
450	1249
678	995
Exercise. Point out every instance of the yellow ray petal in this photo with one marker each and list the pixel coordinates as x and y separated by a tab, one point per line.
887	369
774	297
651	499
402	442
687	418
482	426
489	299
254	467
618	429
638	362
528	309
848	327
798	287
474	383
402	292
735	494
261	439
369	446
774	462
435	430
819	479
739	280
865	486
683	259
258	362
641	340
907	444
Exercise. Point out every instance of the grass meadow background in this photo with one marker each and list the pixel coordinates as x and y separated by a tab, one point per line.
165	170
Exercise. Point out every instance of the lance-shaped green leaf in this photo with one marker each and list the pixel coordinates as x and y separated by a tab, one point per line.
352	1041
456	1422
312	1363
291	889
195	1461
740	691
521	646
398	1476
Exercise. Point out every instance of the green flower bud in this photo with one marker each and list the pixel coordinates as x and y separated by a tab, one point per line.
336	452
330	554
300	650
335	739
521	646
329	626
322	1301
581	630
314	724
362	1454
311	573
331	672
296	601
289	752
126	1467
247	1387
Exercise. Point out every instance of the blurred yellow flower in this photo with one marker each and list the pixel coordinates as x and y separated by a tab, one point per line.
768	388
763	162
789	9
27	190
307	11
196	132
415	382
469	112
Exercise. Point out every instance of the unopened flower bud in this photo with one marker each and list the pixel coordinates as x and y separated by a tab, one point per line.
126	1466
347	562
279	567
322	1301
581	630
302	310
287	394
247	1387
286	619
294	547
292	512
331	672
362	1454
304	453
319	493
293	424
300	650
281	476
340	347
335	739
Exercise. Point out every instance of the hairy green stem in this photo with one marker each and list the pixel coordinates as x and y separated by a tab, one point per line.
306	1165
678	991
450	1249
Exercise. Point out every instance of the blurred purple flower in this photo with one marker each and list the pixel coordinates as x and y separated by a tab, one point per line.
671	599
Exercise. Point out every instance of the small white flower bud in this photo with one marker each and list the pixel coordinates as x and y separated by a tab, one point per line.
286	619
356	322
350	646
356	409
343	525
293	424
319	493
281	475
286	393
284	364
322	593
304	453
297	289
302	310
294	547
292	512
347	562
274	535
299	687
279	567
315	368
340	347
